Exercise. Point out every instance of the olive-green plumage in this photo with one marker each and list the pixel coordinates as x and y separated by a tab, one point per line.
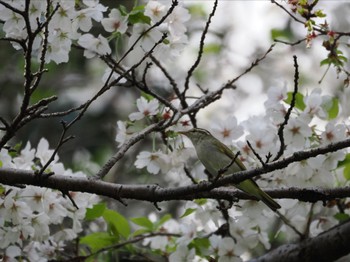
216	156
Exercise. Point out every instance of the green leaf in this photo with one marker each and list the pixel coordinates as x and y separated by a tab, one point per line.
201	201
147	96
95	212
200	245
344	162
319	13
326	61
118	224
341	217
141	232
188	212
281	33
2	189
299	100
143	222
98	240
161	221
123	10
212	48
137	16
197	10
15	150
333	108
346	172
342	58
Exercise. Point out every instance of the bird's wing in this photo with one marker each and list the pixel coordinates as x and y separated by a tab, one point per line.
224	149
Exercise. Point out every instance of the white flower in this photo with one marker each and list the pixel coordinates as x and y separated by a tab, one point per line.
10	253
296	132
14	209
229	251
154	161
276	95
333	133
182	254
94	45
83	18
5	159
115	22
122	133
40	223
227	130
274	104
64	15
14	22
57	53
262	135
43	152
188	232
145	109
215	242
145	44
172	49
245	228
176	21
60	42
155	10
314	103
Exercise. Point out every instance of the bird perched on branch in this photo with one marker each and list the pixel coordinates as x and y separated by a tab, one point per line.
217	157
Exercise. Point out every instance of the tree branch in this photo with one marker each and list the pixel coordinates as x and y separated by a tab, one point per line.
328	246
155	193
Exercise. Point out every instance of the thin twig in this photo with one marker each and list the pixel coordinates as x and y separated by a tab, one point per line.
289	224
289	13
167	75
201	48
171	9
289	43
256	154
125	146
289	111
229	84
63	139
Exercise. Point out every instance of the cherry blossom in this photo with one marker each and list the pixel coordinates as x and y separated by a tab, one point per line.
155	10
227	130
296	133
146	108
229	251
115	22
153	161
122	133
182	254
94	45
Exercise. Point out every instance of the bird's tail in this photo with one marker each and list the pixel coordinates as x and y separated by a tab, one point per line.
250	187
264	197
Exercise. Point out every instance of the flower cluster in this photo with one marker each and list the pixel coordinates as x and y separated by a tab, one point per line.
31	218
248	224
67	24
70	22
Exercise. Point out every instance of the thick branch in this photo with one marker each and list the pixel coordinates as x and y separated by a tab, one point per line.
125	147
328	246
281	164
155	193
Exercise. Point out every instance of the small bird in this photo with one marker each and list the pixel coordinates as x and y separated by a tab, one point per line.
216	156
